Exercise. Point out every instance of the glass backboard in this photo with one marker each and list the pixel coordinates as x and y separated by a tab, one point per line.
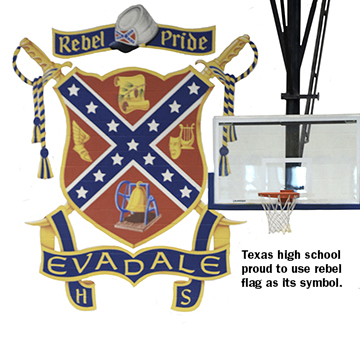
315	155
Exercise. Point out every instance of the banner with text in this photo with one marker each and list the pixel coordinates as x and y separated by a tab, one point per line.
187	41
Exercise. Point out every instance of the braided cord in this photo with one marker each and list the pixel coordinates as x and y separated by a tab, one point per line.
229	82
17	71
37	84
253	65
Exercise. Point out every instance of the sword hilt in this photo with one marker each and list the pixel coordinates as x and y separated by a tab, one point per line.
226	56
45	63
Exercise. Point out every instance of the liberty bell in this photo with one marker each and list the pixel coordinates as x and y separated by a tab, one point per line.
138	200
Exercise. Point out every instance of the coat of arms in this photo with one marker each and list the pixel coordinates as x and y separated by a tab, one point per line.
134	167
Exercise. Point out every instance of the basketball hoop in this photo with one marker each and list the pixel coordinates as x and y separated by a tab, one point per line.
278	207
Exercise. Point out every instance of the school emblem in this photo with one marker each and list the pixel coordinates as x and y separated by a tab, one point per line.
133	166
133	138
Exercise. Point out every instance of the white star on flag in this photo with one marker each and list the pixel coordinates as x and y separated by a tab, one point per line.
112	125
73	90
153	126
174	107
117	159
149	159
91	108
185	192
193	89
99	176
133	145
82	193
167	175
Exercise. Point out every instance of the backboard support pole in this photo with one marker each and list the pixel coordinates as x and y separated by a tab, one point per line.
289	33
292	43
315	69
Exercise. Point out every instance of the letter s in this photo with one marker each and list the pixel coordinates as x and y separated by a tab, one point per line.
186	297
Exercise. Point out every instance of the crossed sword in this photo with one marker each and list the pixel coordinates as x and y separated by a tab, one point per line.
222	231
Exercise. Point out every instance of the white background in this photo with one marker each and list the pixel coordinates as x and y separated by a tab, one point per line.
232	322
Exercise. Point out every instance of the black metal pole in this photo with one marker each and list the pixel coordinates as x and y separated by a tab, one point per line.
293	56
289	32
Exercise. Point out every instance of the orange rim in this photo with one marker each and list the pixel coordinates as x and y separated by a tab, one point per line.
282	194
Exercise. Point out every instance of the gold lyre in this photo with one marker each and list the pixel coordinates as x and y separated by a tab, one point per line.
187	136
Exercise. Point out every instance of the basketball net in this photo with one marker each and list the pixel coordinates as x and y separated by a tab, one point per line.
278	210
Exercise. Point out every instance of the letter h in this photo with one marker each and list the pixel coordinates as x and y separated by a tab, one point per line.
81	298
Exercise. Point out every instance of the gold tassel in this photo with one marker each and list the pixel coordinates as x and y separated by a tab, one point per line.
45	171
